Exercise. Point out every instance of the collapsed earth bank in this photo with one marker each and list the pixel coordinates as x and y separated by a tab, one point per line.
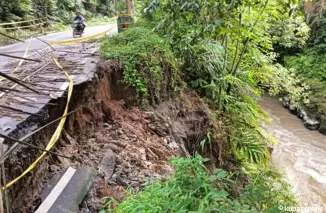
109	131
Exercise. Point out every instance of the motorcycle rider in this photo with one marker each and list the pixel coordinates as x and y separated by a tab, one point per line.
81	19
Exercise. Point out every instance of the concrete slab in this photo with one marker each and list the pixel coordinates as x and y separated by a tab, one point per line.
73	193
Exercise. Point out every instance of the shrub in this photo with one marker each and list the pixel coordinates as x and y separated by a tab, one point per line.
145	57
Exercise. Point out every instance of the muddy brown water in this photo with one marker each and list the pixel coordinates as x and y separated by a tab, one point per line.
300	153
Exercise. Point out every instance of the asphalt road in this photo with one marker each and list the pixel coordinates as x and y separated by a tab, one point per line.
9	123
18	49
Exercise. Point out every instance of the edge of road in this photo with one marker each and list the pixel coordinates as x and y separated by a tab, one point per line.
49	35
22	127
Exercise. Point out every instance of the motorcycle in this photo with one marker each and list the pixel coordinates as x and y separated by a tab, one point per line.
78	29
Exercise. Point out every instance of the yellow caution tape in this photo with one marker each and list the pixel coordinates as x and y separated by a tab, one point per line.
29	26
57	132
18	22
81	39
125	14
25	55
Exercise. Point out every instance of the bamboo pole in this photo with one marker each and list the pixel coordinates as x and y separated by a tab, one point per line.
1	194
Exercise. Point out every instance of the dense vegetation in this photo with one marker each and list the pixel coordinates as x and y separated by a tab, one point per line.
228	52
194	189
309	61
142	53
32	18
56	10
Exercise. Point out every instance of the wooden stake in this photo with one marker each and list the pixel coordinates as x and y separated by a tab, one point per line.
1	196
8	208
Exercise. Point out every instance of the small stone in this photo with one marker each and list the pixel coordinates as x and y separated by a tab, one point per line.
107	125
92	140
134	184
99	135
113	147
121	182
150	116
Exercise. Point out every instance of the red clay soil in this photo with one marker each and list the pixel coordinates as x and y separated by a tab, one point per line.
109	123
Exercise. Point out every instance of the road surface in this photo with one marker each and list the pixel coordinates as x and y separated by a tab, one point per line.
44	76
18	49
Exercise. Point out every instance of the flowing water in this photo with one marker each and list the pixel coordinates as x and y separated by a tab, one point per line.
301	153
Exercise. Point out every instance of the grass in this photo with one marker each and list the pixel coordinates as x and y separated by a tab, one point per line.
101	21
145	57
194	189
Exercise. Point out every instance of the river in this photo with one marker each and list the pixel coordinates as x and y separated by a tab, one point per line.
301	153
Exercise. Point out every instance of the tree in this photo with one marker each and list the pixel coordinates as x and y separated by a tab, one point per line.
315	15
15	10
224	49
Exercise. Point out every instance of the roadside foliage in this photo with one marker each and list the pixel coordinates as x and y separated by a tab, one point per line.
230	53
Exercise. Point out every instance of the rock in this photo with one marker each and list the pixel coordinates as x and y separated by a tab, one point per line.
120	132
293	108
286	102
161	129
311	124
98	135
107	164
92	140
121	182
299	112
304	114
322	128
106	125
171	143
134	184
113	147
150	116
95	148
311	106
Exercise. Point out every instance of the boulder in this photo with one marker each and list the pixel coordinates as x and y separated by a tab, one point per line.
286	102
311	106
293	108
300	112
311	123
322	128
